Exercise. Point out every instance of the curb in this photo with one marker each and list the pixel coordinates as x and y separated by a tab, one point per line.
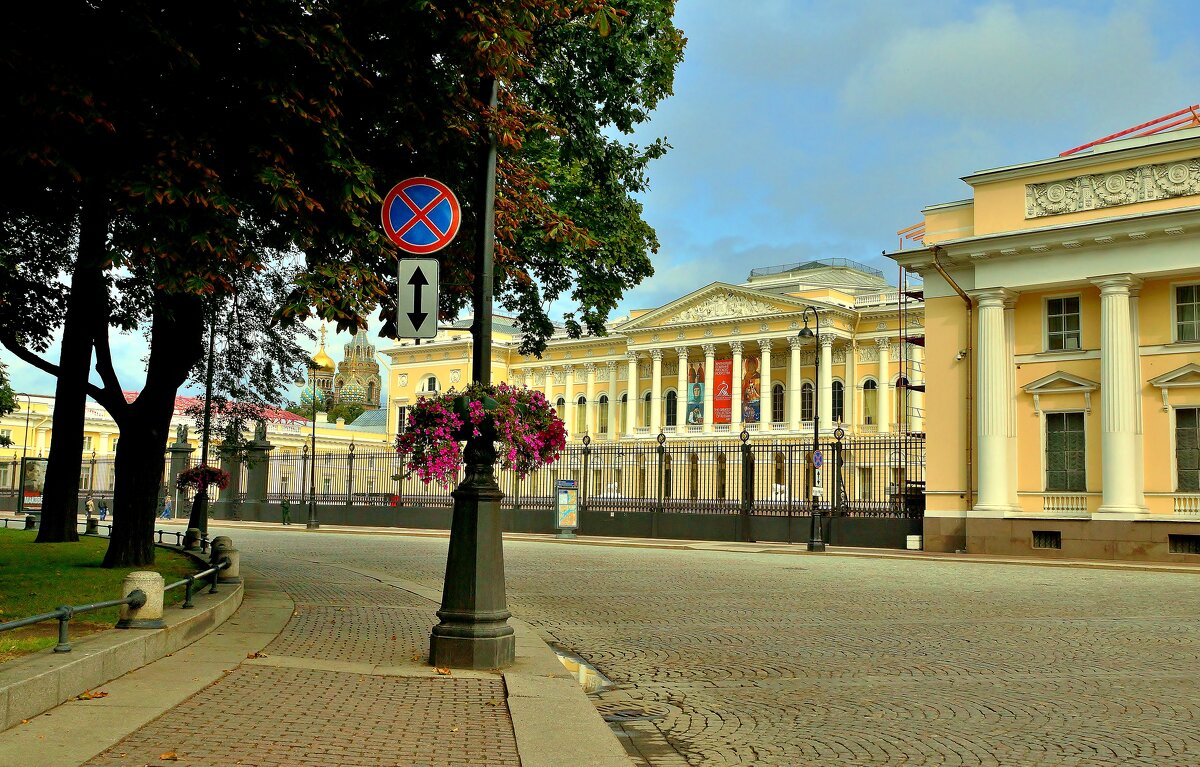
35	684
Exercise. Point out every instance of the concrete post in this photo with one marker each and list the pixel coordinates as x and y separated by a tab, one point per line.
883	394
258	471
589	420
992	381
149	614
631	408
569	407
850	390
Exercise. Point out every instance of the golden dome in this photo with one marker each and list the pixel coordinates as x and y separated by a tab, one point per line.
322	360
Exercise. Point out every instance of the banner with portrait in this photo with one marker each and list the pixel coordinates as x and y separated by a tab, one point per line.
695	393
751	390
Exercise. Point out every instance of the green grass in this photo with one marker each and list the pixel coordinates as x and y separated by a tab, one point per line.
38	577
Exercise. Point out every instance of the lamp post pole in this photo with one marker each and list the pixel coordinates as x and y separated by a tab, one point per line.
24	452
312	464
815	543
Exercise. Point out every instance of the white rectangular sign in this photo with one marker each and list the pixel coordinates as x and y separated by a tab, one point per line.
418	315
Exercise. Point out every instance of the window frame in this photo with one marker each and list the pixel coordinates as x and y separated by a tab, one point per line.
837	400
1175	445
1046	415
778	414
1175	286
868	415
808	397
671	408
1046	332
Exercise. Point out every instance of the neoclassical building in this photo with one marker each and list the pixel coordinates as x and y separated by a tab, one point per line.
714	362
1063	310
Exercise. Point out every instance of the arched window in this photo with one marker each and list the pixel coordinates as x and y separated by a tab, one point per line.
694	476
721	477
371	391
806	402
672	408
581	414
870	402
902	402
621	417
645	410
780	463
777	403
560	406
666	490
602	414
839	402
429	385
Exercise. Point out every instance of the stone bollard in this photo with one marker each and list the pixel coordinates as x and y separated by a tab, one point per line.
30	522
221	541
233	573
93	526
148	615
191	539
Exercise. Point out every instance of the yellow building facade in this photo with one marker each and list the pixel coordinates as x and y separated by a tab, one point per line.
1062	308
740	343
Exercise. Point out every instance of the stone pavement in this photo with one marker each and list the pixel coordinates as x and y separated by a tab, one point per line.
766	659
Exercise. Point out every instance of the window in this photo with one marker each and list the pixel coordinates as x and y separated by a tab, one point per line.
602	414
1187	449
430	384
621	410
402	419
1062	324
87	443
1187	313
85	477
581	415
806	402
672	408
327	484
839	402
1065	465
5	435
6	478
866	478
560	406
777	403
646	409
870	393
115	440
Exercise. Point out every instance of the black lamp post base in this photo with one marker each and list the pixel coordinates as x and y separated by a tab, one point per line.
313	525
816	545
472	652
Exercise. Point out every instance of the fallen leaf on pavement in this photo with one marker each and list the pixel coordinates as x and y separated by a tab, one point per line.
443	670
492	702
257	655
416	656
170	756
91	695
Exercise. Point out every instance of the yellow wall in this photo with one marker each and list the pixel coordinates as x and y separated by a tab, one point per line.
946	398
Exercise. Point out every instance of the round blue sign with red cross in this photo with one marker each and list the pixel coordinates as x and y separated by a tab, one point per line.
421	215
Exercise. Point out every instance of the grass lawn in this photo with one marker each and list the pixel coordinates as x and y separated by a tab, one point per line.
38	577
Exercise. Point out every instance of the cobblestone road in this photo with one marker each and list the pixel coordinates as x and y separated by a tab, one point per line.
794	660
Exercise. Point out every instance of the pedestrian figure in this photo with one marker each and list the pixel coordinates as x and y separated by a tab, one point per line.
89	507
103	510
285	510
166	512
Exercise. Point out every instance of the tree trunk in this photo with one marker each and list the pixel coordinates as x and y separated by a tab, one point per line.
60	500
175	347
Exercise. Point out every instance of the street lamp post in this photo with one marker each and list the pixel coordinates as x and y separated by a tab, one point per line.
815	543
312	464
24	452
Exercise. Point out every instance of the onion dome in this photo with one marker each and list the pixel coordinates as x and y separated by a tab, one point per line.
352	394
306	397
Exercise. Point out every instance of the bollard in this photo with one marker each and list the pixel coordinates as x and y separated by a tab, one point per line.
191	539
93	527
148	613
221	541
231	574
30	522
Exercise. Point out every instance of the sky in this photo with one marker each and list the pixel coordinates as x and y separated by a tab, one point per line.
804	130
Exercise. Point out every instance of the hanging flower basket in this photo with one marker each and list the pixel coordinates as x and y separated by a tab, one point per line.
527	431
201	477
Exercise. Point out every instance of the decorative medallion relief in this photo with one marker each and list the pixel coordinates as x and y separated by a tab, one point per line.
404	379
455	376
717	307
1106	190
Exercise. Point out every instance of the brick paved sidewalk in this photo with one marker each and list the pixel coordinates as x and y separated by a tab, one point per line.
345	684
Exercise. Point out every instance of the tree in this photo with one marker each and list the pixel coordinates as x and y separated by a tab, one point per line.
201	143
8	402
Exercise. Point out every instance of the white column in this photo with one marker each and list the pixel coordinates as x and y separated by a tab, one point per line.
1010	369
766	396
614	424
735	414
655	390
681	391
883	407
548	386
632	408
793	385
1118	397
993	403
825	383
917	398
710	354
569	395
590	417
1139	474
851	389
105	445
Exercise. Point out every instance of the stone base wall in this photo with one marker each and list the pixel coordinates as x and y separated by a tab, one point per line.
944	534
1123	540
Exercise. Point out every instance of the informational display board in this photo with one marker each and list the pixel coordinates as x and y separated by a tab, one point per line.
566	505
33	484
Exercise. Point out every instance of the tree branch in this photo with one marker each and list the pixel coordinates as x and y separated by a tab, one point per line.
112	396
27	356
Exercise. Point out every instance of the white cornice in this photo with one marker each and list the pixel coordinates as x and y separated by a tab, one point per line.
1080	161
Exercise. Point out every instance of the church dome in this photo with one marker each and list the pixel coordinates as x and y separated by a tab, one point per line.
306	397
352	394
322	360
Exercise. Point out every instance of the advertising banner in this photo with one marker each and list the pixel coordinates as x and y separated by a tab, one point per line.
723	391
695	393
33	483
751	390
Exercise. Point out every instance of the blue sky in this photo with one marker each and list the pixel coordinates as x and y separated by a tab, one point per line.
808	130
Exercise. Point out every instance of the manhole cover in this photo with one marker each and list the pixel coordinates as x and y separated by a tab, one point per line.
631	711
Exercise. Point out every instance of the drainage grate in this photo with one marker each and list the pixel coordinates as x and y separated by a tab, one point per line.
631	711
1047	539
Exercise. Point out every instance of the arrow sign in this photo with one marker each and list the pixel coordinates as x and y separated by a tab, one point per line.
418	298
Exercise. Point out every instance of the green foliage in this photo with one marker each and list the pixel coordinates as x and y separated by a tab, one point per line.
349	412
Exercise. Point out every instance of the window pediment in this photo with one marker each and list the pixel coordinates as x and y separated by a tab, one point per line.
1187	376
1059	382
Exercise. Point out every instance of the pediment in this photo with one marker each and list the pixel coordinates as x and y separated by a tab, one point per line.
1188	375
1059	382
716	302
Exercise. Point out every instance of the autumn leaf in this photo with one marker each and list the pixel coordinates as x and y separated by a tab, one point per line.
170	756
91	695
257	655
443	670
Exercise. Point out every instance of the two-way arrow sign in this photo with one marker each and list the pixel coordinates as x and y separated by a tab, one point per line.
418	298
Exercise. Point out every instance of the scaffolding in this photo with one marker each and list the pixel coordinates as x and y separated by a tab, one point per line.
911	381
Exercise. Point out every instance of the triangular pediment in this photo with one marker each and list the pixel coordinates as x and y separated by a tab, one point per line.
1188	375
1060	382
716	302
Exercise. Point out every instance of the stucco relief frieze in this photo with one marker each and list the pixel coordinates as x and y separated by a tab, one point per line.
868	353
718	307
1092	191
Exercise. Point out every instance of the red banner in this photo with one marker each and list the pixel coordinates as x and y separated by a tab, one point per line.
722	391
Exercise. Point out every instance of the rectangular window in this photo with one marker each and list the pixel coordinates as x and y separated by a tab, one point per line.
1187	449
1065	453
839	402
328	486
85	477
865	480
1062	324
402	420
1187	313
6	475
87	443
114	443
